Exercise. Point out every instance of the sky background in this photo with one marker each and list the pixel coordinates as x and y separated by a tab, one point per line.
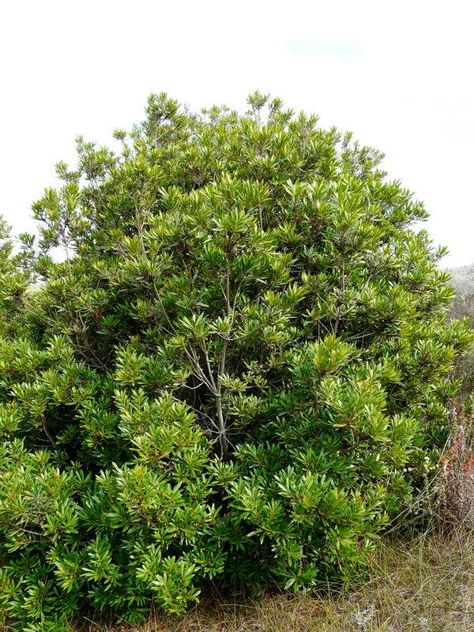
399	74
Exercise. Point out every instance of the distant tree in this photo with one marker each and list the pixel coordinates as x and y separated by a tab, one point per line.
462	280
240	371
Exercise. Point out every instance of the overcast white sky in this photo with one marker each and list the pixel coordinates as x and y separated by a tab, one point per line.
399	74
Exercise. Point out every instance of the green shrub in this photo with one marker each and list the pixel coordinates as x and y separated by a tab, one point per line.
463	307
240	371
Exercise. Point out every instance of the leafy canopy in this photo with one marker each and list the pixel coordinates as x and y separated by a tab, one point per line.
238	369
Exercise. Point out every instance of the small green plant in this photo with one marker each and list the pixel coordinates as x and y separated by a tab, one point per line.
239	371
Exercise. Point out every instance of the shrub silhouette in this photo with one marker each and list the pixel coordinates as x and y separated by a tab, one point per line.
240	371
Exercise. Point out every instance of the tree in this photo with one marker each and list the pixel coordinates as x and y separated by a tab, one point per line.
240	370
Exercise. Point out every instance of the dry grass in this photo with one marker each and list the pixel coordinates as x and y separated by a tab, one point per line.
426	585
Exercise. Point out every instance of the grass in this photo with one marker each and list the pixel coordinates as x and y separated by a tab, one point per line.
424	585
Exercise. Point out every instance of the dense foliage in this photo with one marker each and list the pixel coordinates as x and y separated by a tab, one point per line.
238	369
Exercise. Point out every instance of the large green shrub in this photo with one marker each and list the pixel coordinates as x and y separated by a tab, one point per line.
240	371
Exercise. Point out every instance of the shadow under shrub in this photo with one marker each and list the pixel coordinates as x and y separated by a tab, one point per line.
239	373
